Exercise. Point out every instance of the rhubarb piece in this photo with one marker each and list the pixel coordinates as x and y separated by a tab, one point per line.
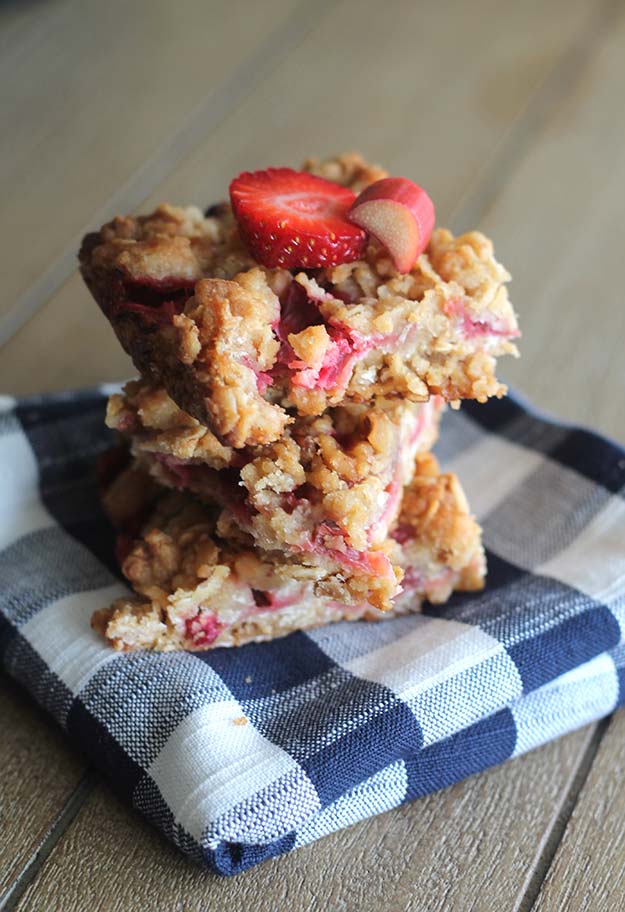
194	590
326	493
293	219
243	348
399	214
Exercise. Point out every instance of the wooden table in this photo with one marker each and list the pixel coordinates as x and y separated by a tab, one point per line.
511	114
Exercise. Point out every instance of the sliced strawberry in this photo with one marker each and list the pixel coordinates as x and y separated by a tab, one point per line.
293	219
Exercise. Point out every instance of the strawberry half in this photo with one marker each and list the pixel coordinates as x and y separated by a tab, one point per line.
294	219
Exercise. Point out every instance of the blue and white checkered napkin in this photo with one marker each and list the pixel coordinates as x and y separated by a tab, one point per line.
351	719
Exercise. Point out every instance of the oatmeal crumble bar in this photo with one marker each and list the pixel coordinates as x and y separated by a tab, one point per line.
243	348
194	590
326	493
296	347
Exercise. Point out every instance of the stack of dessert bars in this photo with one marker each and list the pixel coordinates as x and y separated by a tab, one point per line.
278	472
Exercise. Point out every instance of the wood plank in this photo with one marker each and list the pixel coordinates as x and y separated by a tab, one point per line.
153	78
587	873
450	110
20	22
559	228
466	848
40	772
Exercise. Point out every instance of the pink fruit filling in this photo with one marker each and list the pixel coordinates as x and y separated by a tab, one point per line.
472	328
203	629
154	300
405	453
403	533
417	580
298	312
346	346
373	563
223	485
263	379
183	474
335	369
266	600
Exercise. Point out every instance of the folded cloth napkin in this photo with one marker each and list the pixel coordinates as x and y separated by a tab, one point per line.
238	755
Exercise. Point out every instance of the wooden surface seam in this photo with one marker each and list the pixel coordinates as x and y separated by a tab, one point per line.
553	834
26	876
587	873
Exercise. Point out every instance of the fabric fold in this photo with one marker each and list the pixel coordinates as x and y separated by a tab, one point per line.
238	755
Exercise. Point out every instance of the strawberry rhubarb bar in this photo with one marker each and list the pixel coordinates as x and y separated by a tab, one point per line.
309	290
194	590
325	494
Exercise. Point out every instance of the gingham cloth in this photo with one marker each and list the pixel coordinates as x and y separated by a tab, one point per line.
349	720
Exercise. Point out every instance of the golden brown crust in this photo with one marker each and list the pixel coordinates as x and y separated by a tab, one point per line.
146	413
128	496
436	519
195	590
349	170
212	332
225	335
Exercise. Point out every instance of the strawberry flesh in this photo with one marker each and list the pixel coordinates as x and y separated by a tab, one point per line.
292	219
203	628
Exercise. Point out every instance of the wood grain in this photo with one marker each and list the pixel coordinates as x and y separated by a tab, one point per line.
151	80
587	873
466	849
453	100
558	222
20	23
39	774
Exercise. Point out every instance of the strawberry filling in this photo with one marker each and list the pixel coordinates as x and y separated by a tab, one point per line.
403	533
336	367
405	454
298	312
263	379
373	563
223	484
156	301
203	629
182	474
415	579
472	328
346	346
266	600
